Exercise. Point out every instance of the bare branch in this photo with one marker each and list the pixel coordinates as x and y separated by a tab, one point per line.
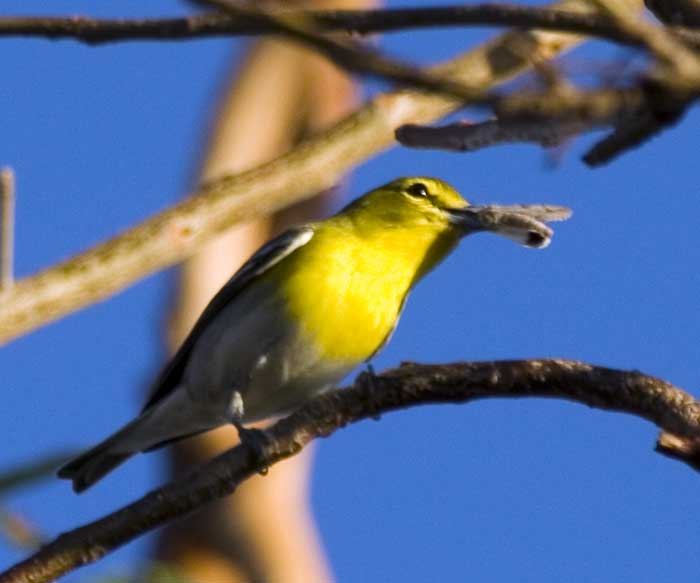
598	107
632	133
683	12
546	118
468	137
632	392
96	31
351	57
637	114
683	66
315	165
7	228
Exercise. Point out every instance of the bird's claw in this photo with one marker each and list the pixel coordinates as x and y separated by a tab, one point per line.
256	440
369	379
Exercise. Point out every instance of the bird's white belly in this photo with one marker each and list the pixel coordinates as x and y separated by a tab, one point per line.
254	348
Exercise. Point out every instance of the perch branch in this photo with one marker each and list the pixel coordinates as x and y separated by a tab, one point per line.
672	409
314	165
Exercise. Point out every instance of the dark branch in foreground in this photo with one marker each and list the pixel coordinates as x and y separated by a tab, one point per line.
672	409
684	12
97	31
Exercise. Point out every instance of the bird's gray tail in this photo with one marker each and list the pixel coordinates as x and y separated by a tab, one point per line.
92	465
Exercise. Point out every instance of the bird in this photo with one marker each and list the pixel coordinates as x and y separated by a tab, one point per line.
305	310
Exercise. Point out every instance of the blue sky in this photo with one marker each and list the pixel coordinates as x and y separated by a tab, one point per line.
526	490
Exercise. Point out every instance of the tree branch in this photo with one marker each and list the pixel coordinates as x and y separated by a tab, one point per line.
547	118
684	12
7	228
635	131
648	397
678	64
314	165
98	31
468	137
349	56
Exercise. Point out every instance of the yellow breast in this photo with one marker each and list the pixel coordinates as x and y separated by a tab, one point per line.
346	288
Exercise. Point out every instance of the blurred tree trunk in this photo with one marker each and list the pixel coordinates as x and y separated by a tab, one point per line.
265	531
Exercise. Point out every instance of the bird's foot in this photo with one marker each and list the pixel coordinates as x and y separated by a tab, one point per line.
256	440
369	379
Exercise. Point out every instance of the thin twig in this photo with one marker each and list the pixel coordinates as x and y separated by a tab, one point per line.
97	31
316	164
671	86
682	64
7	228
351	57
648	397
29	473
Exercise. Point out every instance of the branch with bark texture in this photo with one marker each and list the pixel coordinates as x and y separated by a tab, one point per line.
313	166
99	31
673	410
636	109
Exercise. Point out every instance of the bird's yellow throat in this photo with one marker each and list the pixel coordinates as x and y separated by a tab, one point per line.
348	284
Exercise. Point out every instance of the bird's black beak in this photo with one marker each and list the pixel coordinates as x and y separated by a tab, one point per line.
523	224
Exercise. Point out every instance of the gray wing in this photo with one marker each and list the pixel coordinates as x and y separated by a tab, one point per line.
267	256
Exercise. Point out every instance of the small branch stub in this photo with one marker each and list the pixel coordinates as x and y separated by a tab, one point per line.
7	228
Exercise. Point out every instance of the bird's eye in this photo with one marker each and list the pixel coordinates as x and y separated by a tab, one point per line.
418	189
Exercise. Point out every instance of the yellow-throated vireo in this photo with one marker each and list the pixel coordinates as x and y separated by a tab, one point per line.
304	311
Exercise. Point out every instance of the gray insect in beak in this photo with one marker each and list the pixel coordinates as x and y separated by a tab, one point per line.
524	224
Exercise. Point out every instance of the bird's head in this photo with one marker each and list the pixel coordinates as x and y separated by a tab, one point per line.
417	203
409	203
